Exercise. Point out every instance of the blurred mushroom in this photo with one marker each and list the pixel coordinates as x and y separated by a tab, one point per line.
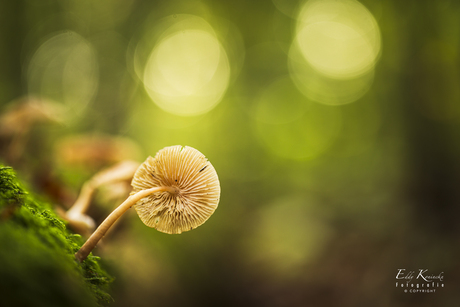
78	220
95	150
176	191
17	121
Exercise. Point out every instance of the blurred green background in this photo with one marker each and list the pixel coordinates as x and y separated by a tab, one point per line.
333	125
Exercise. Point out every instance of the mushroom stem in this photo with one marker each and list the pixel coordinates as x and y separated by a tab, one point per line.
92	241
76	216
83	200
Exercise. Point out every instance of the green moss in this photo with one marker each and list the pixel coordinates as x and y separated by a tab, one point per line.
37	263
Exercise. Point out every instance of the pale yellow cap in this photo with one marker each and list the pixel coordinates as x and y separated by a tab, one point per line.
193	178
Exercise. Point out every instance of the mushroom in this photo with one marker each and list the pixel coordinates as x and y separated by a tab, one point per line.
17	121
176	191
95	150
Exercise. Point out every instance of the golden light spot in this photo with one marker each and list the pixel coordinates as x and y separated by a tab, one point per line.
340	39
187	72
336	47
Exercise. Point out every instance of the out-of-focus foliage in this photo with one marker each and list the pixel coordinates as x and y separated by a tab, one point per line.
38	267
333	125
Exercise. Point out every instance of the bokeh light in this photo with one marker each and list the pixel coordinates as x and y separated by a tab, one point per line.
64	69
336	47
188	71
340	39
323	89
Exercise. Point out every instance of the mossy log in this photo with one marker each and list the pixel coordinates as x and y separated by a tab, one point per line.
37	263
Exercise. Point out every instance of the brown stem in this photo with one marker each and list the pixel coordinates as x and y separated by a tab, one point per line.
84	251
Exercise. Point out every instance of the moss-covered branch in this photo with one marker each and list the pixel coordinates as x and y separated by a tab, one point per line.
37	263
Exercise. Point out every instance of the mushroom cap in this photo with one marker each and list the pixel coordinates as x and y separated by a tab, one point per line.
193	178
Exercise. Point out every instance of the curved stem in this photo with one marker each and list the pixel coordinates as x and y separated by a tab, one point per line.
84	251
83	200
124	170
